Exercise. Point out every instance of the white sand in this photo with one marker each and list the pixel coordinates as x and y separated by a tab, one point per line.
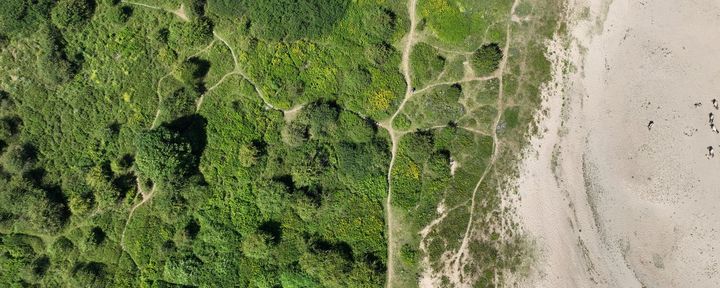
622	206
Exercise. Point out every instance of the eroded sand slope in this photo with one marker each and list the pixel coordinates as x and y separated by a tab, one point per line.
608	202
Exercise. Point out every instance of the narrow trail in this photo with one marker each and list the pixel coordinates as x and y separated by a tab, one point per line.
142	5
462	253
159	95
180	12
464	80
146	197
201	51
394	137
291	114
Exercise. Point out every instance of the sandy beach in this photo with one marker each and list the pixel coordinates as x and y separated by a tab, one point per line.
606	201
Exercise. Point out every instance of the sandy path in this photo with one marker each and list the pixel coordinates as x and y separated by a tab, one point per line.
180	12
609	203
395	138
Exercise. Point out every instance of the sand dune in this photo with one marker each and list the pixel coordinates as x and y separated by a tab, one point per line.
608	202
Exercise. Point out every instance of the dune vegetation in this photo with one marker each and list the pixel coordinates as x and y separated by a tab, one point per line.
269	143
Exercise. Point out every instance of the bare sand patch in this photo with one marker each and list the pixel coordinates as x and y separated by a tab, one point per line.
608	202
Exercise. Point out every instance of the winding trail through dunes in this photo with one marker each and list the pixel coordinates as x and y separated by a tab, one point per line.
454	266
463	251
395	138
454	269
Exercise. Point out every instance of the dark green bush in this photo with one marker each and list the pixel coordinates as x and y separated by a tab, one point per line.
18	158
163	156
21	16
121	14
6	130
33	207
92	274
486	59
12	13
62	247
53	63
198	31
191	71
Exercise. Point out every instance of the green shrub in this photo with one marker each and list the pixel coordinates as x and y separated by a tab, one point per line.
379	54
409	254
18	159
402	122
511	116
95	237
255	246
81	203
99	179
486	59
183	269
121	14
228	8
191	71
355	129
248	155
163	156
53	63
72	13
294	134
321	119
12	13
197	32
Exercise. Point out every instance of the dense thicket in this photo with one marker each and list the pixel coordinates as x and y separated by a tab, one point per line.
124	169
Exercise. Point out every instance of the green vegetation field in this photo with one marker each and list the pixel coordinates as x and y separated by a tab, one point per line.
239	143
